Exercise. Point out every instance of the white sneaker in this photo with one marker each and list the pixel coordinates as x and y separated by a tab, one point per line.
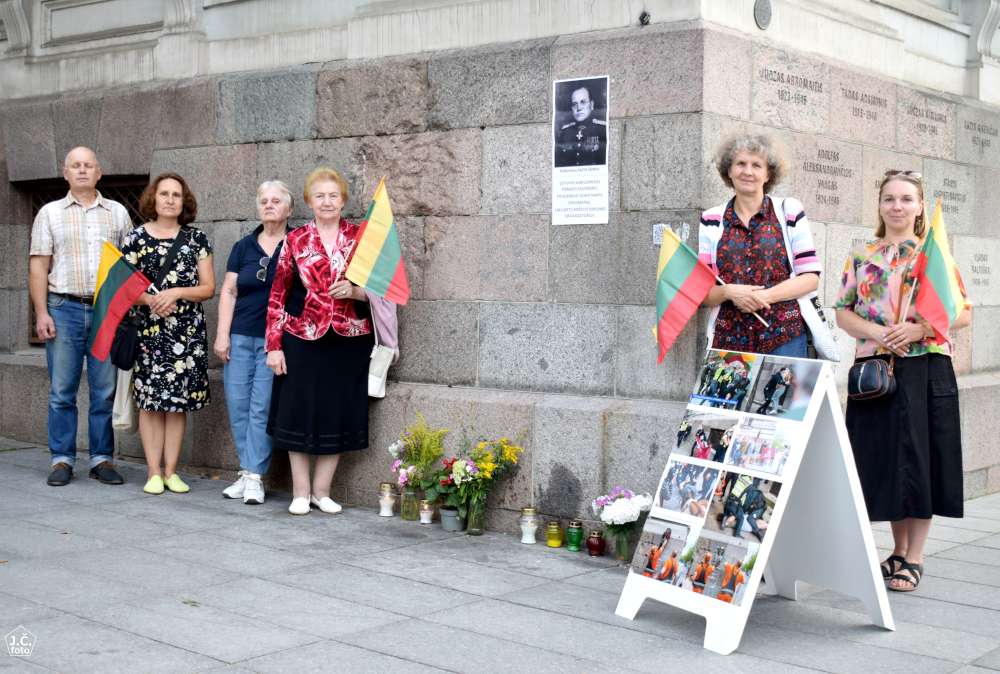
253	489
235	490
299	506
326	504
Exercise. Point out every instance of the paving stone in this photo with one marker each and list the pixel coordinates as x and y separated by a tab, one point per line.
658	158
223	178
470	258
539	347
25	541
71	644
610	580
202	629
990	542
954	644
76	122
420	640
637	374
489	86
103	525
317	658
925	124
128	131
969	568
148	570
201	549
267	106
380	590
20	611
652	70
517	169
373	97
29	142
428	173
188	114
292	608
569	441
991	660
438	342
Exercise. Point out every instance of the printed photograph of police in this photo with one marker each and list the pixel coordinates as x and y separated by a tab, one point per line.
580	121
719	566
742	506
704	435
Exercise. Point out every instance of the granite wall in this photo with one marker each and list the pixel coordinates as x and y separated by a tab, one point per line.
517	326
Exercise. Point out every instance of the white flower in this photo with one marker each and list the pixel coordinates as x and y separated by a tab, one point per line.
395	448
621	511
643	501
178	348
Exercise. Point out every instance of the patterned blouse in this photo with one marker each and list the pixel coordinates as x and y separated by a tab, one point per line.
755	254
317	271
876	277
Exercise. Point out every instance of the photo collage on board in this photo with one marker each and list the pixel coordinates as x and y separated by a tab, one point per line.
716	495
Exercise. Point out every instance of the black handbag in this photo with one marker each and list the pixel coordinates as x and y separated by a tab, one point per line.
125	345
871	379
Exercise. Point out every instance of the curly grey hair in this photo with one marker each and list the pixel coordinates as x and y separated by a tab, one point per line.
762	144
276	185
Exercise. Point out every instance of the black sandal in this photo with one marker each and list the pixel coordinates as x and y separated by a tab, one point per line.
890	566
913	574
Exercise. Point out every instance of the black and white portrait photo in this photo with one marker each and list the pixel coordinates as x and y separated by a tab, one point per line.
581	122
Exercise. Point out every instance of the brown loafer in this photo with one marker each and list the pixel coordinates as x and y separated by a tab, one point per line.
61	474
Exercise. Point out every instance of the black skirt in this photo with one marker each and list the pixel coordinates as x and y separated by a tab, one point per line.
908	447
321	405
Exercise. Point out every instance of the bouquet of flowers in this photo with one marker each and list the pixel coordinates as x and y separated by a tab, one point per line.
416	451
467	480
619	510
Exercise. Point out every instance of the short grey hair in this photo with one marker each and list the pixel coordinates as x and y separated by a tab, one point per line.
762	144
276	185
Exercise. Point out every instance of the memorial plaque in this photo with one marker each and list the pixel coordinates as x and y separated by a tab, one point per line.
790	91
978	136
827	179
839	241
955	185
874	164
925	124
987	201
862	108
977	259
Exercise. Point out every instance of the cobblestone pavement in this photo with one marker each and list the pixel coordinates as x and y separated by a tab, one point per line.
108	579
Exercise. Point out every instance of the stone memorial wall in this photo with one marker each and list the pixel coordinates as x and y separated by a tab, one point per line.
516	326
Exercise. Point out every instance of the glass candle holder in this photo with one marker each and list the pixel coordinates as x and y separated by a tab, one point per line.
529	525
574	535
426	512
595	543
386	499
553	535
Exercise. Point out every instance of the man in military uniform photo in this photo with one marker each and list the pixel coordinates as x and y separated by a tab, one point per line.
582	142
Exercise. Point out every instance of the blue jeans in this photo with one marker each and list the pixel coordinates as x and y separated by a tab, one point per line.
64	356
797	348
248	381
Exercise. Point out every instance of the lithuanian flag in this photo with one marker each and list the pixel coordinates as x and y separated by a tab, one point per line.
377	260
119	284
940	292
682	282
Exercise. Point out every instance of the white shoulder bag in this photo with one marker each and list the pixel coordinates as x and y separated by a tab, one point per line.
378	368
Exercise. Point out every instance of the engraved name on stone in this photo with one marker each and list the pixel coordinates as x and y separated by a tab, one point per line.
865	105
952	199
981	270
797	87
826	166
932	122
983	135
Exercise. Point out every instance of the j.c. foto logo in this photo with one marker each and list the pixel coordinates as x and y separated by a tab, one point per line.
20	642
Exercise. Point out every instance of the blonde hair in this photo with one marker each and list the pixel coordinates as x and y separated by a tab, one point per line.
325	173
279	185
913	178
762	144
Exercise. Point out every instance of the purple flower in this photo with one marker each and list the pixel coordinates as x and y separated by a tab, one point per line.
396	464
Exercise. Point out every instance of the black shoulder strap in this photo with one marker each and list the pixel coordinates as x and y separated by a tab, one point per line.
168	261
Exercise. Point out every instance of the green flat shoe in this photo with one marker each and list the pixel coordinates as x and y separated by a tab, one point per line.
176	485
154	485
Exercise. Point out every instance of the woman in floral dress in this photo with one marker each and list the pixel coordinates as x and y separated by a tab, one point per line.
171	373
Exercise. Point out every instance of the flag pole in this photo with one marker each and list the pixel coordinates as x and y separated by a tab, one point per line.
755	314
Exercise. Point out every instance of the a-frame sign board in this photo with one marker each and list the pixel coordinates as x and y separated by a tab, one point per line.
817	530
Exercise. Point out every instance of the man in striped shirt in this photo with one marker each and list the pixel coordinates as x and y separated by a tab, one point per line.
65	254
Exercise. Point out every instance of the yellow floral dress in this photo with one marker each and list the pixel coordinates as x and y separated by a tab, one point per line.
171	372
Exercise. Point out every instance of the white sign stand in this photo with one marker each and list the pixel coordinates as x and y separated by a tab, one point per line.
819	534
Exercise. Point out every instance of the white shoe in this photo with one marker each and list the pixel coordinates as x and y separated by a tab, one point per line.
299	506
326	504
235	490
253	491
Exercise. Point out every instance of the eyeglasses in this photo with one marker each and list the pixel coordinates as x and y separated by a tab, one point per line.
916	175
262	272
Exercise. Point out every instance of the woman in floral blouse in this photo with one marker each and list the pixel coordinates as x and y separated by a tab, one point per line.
907	446
171	373
743	241
319	342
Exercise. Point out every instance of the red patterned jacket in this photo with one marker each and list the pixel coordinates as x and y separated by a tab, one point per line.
304	251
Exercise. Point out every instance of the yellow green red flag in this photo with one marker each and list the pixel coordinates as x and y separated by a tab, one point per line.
377	260
940	292
682	282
